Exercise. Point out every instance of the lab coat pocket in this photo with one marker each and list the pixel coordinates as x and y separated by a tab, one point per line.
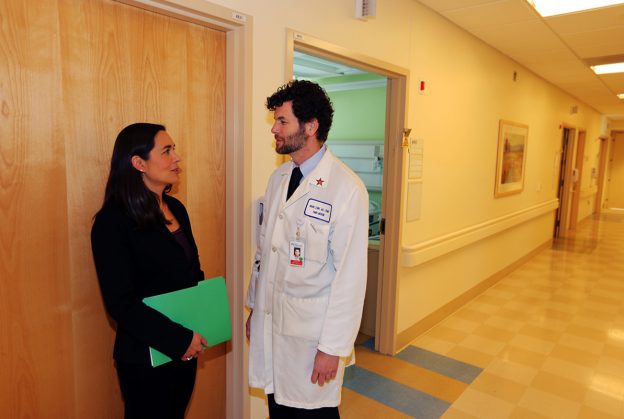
304	317
318	241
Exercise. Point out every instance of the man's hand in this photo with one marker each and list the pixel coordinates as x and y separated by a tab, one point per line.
248	324
325	368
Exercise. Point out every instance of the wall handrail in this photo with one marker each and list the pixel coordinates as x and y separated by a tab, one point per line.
419	253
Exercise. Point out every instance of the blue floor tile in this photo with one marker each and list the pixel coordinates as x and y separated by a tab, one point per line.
457	370
395	395
369	344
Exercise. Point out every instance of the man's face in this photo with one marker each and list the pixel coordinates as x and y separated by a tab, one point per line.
289	134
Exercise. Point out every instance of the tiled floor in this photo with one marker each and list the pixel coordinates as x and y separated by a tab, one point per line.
547	341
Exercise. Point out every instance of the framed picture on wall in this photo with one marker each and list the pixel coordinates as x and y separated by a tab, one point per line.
511	158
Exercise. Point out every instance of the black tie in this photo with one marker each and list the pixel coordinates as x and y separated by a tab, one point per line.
295	178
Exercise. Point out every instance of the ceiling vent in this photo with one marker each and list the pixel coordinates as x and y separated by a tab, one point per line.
365	9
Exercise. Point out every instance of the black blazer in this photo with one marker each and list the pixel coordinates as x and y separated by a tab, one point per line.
134	263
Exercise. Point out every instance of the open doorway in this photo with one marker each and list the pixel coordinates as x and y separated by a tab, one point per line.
383	162
357	138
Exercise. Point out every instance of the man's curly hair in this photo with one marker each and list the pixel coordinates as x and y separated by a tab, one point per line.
309	101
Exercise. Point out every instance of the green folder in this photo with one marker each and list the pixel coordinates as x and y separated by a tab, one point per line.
203	309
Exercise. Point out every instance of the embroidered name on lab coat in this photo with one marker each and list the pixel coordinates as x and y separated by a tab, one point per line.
318	209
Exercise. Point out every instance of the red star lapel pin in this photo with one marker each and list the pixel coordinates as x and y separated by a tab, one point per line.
319	182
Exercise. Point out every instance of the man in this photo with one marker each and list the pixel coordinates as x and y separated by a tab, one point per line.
306	311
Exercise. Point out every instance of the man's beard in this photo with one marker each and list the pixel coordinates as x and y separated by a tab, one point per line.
292	143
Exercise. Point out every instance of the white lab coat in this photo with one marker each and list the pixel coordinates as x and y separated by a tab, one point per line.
297	310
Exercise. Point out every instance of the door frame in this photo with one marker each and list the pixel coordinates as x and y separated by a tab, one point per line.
238	29
396	112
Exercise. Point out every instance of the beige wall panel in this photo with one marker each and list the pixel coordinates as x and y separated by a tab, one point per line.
35	376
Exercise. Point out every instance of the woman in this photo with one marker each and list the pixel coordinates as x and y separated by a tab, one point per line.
142	246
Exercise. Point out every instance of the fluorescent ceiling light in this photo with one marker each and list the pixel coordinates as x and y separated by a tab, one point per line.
608	68
560	7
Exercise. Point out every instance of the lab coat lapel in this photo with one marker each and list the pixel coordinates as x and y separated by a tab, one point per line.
317	179
285	178
300	192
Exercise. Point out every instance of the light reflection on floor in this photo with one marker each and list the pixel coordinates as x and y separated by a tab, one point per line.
547	341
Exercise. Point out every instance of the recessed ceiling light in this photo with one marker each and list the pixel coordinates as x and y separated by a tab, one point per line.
608	68
621	96
560	7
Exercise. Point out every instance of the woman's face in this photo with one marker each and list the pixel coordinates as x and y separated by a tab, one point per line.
161	168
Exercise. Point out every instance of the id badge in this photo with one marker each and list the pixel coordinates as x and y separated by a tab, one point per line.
297	253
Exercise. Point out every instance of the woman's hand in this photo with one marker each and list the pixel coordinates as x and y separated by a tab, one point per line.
195	348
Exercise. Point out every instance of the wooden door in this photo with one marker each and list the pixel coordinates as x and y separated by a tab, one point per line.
560	215
577	176
72	74
615	185
36	377
602	167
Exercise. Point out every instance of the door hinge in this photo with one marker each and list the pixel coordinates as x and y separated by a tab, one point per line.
382	226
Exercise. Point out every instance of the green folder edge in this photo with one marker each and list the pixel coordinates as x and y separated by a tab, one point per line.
203	308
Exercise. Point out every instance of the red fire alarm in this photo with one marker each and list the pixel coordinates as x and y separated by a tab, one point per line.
421	86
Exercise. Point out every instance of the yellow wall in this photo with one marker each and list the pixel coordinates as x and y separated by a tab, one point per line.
430	285
616	125
469	88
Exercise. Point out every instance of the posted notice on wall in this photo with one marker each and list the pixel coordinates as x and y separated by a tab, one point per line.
416	152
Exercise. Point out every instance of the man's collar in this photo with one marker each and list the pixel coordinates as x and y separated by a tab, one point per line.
308	166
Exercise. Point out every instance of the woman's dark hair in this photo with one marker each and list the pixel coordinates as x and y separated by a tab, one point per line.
125	185
309	101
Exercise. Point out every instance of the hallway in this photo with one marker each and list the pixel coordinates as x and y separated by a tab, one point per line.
547	341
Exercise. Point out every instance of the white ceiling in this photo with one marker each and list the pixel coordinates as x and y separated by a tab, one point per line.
557	48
